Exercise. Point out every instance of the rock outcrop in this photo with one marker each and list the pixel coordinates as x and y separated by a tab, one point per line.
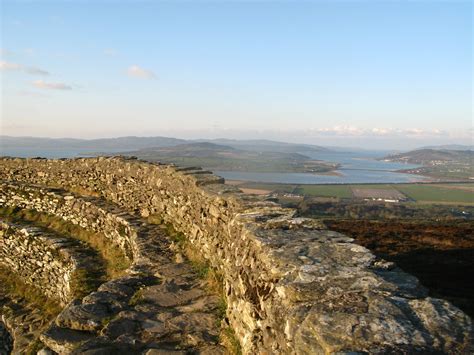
290	286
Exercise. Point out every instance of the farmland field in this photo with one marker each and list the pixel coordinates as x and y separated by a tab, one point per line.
433	193
389	193
341	191
421	193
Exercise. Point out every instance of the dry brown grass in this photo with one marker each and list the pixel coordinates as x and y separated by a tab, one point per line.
115	260
17	289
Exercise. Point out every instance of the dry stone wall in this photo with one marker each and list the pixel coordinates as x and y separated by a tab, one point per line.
78	211
39	259
91	213
291	286
121	315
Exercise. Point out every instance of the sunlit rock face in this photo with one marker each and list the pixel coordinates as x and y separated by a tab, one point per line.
291	286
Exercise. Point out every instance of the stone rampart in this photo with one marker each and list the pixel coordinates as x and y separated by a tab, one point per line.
291	287
91	213
39	259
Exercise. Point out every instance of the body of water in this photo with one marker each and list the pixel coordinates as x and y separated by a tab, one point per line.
356	168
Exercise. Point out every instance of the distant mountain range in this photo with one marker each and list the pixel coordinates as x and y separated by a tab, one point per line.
264	145
121	143
252	156
54	147
450	147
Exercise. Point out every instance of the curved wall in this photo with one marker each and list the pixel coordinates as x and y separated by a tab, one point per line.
290	286
39	259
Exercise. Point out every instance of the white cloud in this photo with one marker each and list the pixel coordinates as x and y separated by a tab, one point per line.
352	131
36	71
340	131
9	66
53	86
135	71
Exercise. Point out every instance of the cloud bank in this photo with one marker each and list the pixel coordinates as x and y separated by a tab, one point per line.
41	84
353	131
9	66
134	71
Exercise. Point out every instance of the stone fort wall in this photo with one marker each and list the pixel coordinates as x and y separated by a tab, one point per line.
291	286
39	259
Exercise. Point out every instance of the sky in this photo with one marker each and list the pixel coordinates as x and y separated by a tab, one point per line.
373	74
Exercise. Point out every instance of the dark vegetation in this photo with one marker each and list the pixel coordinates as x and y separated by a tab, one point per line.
380	211
440	254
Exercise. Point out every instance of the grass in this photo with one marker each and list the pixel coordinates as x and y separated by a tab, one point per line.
373	186
430	193
230	341
33	298
83	282
339	191
422	193
15	287
115	260
282	188
136	298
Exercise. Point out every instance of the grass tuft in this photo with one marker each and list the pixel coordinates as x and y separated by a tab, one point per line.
14	286
115	260
230	342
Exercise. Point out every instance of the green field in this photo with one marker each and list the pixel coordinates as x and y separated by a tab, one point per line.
431	193
340	191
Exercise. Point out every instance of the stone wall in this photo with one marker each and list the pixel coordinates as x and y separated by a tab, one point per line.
75	210
90	213
291	287
39	259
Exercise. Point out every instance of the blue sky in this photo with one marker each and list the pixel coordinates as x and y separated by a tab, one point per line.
373	73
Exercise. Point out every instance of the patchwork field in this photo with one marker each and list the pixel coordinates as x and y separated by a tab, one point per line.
459	193
433	193
340	191
388	194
